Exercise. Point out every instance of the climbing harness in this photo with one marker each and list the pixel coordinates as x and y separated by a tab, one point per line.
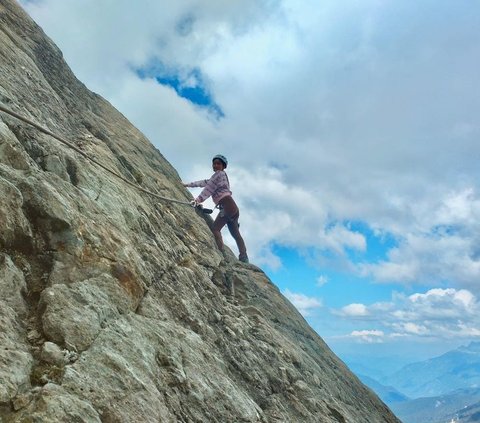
73	147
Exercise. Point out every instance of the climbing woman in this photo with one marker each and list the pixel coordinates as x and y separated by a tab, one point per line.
218	187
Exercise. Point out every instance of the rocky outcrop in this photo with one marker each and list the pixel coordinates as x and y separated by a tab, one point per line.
117	307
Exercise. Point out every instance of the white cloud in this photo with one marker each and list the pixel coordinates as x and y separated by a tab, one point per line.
410	328
462	298
445	247
338	237
459	205
367	336
304	304
442	304
321	280
438	313
355	310
466	331
145	100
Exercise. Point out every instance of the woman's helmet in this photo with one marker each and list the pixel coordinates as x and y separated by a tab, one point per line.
221	158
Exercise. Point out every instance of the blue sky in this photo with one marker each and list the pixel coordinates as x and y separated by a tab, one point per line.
192	87
352	134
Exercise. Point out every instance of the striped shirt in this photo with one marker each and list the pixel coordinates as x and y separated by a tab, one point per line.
217	186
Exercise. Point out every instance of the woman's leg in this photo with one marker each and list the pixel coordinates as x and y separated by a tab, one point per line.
218	224
234	229
231	215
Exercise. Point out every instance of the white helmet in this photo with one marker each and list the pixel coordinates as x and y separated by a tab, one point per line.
221	158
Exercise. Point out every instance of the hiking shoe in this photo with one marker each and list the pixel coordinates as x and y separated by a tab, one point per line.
243	259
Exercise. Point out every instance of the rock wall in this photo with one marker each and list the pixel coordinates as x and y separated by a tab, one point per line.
117	307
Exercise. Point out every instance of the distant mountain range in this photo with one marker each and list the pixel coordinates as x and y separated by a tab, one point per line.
458	406
457	369
388	394
443	389
377	367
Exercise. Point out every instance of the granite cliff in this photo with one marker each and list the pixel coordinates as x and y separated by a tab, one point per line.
117	307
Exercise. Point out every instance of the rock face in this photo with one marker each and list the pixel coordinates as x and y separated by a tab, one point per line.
117	307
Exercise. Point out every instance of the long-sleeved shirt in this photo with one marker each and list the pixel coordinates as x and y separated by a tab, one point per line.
217	186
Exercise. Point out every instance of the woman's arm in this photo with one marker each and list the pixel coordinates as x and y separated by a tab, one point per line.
210	187
196	184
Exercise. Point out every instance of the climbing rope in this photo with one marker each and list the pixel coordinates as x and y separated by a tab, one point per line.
73	147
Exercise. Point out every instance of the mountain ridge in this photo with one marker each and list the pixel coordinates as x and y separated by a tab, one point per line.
456	369
444	408
459	400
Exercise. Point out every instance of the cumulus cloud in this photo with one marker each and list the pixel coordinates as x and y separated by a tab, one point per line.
410	328
304	304
355	310
437	313
339	237
367	336
445	247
